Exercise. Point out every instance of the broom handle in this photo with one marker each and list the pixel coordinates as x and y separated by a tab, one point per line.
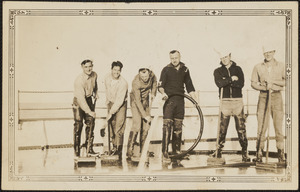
219	120
268	124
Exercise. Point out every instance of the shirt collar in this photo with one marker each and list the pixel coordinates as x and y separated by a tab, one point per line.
180	65
272	64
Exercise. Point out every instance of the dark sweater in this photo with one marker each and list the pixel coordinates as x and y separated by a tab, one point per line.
231	89
173	80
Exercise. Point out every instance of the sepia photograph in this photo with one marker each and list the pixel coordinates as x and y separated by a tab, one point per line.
150	96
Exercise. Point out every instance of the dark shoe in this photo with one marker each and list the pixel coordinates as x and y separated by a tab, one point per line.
281	156
245	157
177	164
150	154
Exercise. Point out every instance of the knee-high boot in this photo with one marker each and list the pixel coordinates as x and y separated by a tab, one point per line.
167	128
241	130
89	133
77	137
176	136
131	142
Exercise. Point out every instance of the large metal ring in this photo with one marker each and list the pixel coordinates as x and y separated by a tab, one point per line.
182	154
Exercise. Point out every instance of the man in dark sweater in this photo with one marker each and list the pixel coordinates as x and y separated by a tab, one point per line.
172	80
230	77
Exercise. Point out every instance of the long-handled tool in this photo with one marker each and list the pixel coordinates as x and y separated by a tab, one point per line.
152	125
215	160
107	158
268	165
148	123
87	160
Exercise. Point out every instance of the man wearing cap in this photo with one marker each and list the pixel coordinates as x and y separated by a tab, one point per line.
85	91
269	75
172	80
116	100
144	85
230	78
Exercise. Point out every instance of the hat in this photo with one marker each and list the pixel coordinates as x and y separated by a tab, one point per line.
145	67
268	47
222	52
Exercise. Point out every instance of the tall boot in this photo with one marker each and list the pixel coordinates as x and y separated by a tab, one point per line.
225	119
131	141
281	156
90	124
241	131
176	137
167	128
77	137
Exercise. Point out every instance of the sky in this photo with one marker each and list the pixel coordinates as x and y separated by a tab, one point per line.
49	49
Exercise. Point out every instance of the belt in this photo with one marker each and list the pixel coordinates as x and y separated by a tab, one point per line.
272	91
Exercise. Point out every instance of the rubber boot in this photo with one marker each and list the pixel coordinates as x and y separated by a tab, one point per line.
167	128
131	141
91	150
245	157
176	137
89	135
77	137
259	155
281	156
222	135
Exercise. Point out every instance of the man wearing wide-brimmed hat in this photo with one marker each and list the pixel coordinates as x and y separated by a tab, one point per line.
230	78
269	76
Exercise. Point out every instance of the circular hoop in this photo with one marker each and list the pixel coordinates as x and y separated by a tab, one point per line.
177	156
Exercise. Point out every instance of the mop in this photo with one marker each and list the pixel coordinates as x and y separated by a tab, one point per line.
267	165
86	160
215	160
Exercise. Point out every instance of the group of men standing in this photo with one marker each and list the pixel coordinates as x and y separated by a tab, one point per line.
267	77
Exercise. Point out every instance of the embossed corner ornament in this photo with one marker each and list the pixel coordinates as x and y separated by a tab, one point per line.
149	178
213	12
213	179
287	13
86	178
149	12
12	15
86	12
